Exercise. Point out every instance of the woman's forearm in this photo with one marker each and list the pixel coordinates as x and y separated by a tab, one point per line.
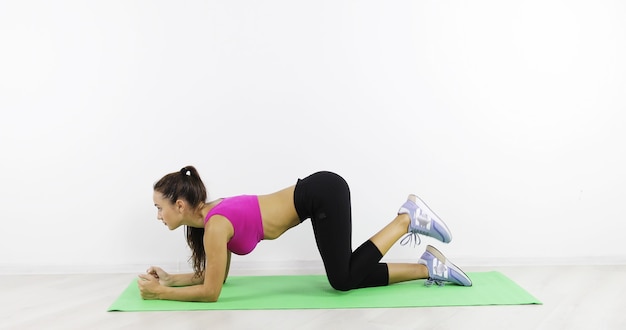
185	279
198	292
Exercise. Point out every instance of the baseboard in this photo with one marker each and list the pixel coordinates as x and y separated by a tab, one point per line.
242	267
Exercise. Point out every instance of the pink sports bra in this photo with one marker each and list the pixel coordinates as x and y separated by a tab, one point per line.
244	214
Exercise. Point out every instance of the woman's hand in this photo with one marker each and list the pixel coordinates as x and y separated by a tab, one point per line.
161	275
148	286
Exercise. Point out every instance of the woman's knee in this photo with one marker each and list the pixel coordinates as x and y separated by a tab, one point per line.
340	284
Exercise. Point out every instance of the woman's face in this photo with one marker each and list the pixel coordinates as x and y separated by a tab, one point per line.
167	211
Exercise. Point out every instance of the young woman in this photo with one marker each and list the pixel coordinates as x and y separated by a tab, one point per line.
237	224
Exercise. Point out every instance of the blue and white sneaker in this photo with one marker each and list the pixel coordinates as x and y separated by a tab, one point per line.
441	270
423	221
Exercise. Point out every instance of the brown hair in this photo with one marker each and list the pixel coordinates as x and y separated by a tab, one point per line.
187	185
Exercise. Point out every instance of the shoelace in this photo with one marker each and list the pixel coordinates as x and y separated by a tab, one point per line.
430	281
411	237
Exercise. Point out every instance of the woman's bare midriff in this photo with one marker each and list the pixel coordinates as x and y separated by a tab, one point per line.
278	212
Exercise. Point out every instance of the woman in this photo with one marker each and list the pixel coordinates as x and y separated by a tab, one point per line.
237	224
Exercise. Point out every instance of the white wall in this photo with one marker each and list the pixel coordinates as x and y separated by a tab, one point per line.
506	117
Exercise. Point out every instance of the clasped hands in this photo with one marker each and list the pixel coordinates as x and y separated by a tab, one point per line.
151	283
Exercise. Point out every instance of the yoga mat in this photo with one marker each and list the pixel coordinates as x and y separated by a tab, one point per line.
314	292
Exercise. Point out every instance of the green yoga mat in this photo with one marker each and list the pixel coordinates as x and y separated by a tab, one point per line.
314	292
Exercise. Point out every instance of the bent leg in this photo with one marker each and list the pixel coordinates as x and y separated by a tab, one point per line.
325	198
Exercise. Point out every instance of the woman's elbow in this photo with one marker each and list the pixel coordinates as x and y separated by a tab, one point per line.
209	296
208	299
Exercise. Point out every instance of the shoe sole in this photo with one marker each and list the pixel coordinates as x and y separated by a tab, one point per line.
432	250
431	211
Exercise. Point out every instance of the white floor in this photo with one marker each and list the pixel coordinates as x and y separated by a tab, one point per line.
574	297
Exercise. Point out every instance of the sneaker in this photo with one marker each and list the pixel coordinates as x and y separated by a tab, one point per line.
423	221
441	270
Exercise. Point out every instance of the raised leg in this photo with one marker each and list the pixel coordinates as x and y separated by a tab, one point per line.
391	233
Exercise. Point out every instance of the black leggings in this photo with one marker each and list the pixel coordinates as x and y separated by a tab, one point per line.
325	198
